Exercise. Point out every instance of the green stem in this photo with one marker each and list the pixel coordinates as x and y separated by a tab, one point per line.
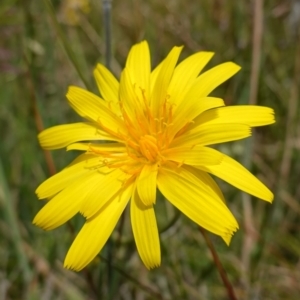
222	272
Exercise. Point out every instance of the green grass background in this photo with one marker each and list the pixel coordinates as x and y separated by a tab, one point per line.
39	59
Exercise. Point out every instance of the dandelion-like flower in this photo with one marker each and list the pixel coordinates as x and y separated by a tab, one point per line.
150	131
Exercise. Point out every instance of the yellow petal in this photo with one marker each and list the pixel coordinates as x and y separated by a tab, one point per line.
187	111
227	239
212	78
98	148
234	173
206	179
212	134
145	231
108	186
240	114
153	76
63	135
96	231
197	155
129	94
139	65
146	184
196	200
107	84
185	74
163	79
91	107
66	204
61	180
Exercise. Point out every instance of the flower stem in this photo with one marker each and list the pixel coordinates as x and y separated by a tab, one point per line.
222	272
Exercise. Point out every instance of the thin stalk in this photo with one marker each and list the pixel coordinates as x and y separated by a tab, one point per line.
249	238
222	272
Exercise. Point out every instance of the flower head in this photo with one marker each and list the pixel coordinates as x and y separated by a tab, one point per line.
152	130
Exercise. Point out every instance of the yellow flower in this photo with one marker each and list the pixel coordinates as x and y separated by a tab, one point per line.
149	131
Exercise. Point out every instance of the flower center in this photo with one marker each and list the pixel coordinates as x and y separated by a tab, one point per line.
148	147
146	129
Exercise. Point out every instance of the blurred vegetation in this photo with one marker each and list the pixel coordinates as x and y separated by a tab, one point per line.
43	52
